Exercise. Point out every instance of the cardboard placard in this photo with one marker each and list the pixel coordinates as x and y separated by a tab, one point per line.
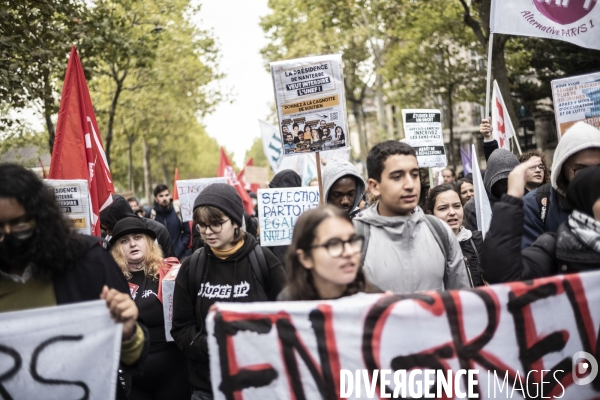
576	98
278	210
257	175
423	131
311	103
188	190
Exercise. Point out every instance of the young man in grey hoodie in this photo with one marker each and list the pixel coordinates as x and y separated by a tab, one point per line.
343	186
406	251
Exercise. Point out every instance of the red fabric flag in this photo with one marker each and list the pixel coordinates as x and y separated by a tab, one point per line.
226	170
78	152
253	187
175	194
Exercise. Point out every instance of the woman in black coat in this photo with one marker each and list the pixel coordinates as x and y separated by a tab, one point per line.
444	202
575	247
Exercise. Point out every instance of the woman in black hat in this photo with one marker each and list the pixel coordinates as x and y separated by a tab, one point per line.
231	267
165	374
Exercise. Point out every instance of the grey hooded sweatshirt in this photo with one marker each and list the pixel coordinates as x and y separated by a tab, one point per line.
499	165
337	168
403	256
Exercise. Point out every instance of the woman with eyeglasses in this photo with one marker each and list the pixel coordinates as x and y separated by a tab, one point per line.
231	267
325	257
135	251
575	247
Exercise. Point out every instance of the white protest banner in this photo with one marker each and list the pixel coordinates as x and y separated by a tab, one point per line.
423	131
519	340
278	210
576	98
62	352
575	21
483	208
74	202
188	190
311	103
168	290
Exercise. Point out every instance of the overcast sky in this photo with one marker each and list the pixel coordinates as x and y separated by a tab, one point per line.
234	24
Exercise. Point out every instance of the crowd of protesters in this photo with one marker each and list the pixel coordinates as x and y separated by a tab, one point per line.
371	236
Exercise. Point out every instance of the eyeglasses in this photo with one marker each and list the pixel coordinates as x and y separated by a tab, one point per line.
541	167
335	247
20	228
215	227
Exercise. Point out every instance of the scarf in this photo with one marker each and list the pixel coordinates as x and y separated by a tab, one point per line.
223	254
586	229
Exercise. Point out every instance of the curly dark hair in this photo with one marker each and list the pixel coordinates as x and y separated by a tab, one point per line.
381	151
537	153
301	284
54	246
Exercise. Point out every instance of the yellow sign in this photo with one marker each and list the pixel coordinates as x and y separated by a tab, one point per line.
77	223
310	105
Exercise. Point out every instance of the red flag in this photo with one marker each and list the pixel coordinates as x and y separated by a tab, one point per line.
78	152
175	194
253	187
226	170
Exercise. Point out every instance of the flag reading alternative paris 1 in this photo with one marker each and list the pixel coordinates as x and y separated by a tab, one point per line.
535	339
311	103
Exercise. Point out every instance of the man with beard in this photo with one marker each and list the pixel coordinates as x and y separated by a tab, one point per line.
43	263
170	216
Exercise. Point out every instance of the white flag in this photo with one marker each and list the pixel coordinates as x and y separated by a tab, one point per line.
483	208
502	127
574	21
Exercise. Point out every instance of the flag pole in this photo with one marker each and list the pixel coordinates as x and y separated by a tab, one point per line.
320	178
489	75
516	140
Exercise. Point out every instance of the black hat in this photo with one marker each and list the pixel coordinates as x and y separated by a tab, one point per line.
225	198
130	225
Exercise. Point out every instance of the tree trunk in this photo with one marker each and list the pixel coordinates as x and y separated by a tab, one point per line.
451	158
380	107
112	112
48	109
147	188
500	74
362	136
130	167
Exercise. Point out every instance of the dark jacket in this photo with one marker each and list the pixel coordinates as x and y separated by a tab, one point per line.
229	280
551	254
472	249
84	281
556	213
179	231
489	147
120	209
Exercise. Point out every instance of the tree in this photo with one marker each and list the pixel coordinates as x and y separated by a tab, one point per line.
256	152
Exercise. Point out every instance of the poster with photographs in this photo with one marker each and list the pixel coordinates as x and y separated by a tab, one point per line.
423	131
311	103
576	98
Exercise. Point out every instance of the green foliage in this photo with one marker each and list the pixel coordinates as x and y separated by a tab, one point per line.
256	152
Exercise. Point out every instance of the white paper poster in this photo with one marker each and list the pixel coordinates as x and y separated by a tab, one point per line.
576	98
188	190
74	202
278	210
311	103
423	131
532	340
62	352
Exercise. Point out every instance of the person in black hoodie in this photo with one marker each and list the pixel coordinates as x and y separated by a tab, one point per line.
231	267
575	247
286	178
444	202
119	209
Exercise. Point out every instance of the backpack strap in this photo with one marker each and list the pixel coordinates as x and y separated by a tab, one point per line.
438	232
542	196
364	230
196	272
260	268
178	212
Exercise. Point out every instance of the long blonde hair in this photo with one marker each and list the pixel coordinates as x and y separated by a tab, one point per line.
152	261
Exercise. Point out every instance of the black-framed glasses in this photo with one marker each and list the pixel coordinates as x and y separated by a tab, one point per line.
541	167
215	227
335	247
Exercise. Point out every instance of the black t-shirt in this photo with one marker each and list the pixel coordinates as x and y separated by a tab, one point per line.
150	308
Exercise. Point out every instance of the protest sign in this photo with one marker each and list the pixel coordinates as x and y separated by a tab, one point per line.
168	289
278	210
423	131
311	103
62	352
576	98
188	190
259	175
73	201
516	340
574	21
